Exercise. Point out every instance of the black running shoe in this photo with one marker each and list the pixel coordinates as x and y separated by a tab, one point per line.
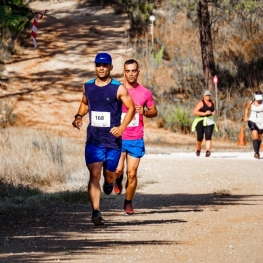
107	188
256	155
198	152
207	154
97	219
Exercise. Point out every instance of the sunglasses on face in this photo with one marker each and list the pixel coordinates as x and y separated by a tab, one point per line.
133	71
98	65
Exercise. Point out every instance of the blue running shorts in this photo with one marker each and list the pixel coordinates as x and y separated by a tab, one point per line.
96	153
134	148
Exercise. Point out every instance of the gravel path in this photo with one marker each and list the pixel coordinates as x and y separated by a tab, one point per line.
188	209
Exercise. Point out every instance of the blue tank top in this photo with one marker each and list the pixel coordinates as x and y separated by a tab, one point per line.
104	113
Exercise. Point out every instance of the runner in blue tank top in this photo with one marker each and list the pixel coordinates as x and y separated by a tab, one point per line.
102	99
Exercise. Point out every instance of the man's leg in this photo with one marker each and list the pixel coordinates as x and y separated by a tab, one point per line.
117	186
95	192
120	168
131	184
110	178
109	169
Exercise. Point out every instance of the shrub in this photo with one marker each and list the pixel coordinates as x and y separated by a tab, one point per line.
179	118
7	117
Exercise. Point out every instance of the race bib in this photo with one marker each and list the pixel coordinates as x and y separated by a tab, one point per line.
210	121
100	119
134	122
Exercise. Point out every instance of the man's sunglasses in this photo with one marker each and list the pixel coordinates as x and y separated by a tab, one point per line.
98	65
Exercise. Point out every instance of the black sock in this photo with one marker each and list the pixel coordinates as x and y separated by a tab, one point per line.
95	212
119	180
259	144
256	145
127	201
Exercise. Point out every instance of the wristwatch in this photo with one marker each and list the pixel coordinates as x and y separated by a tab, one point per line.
78	115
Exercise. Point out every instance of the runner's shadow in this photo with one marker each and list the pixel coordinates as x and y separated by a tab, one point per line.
168	211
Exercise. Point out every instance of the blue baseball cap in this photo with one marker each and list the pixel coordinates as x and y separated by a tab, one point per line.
103	58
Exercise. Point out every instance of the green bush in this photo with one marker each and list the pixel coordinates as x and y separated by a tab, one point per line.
178	118
139	13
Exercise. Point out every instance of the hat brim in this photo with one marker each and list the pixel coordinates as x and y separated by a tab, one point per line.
258	97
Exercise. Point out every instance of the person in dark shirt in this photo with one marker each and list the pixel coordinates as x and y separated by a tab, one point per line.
102	99
204	122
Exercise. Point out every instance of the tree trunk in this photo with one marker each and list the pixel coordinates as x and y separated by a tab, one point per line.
206	43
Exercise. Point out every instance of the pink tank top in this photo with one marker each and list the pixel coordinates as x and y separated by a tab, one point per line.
141	96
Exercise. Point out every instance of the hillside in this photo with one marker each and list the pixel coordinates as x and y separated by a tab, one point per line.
46	82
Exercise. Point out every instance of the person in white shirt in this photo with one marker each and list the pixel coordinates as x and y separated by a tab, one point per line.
255	120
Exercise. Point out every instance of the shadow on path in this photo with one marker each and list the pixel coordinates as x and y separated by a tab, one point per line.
50	229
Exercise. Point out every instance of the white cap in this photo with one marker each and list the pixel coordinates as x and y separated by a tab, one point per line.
207	92
258	97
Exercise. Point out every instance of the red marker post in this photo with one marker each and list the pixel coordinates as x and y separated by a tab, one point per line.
215	81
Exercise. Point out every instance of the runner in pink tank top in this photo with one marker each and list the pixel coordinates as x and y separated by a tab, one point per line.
132	138
142	97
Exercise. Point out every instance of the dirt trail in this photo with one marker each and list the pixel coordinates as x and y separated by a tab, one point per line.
188	209
47	81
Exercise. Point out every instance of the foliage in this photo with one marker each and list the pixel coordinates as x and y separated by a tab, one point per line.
7	117
237	45
139	13
14	14
223	10
159	55
178	118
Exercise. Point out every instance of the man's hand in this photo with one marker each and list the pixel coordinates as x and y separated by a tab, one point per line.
139	109
116	131
77	123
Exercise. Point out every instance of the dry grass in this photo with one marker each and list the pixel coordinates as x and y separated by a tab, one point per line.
7	116
40	160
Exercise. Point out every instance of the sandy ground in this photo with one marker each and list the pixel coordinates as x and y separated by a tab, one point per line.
188	209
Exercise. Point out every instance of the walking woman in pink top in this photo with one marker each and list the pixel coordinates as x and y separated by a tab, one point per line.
132	138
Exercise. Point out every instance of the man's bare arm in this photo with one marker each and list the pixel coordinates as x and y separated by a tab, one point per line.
83	110
247	108
127	100
151	112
